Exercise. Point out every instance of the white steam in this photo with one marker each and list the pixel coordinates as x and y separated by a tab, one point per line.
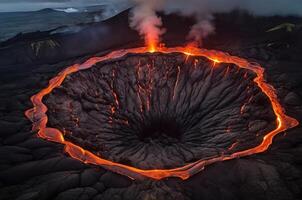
201	29
144	19
149	24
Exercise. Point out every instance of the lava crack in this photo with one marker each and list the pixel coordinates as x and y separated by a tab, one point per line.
160	114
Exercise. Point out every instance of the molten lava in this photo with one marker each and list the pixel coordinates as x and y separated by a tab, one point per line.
38	116
152	48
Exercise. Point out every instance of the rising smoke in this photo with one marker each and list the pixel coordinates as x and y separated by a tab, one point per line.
145	20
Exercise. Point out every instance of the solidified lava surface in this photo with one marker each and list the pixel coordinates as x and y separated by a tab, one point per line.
34	168
160	111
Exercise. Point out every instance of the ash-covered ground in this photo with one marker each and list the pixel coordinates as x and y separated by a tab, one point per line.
32	168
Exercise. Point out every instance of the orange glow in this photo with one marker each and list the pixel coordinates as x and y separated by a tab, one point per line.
38	116
215	60
188	53
152	47
189	49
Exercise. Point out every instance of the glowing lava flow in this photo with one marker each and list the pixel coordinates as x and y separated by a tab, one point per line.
38	116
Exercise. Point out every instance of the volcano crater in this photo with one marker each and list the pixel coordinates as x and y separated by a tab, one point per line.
161	111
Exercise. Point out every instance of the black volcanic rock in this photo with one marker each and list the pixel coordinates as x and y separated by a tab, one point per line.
41	170
94	38
161	111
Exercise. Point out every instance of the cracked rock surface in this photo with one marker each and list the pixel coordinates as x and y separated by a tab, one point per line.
34	169
161	111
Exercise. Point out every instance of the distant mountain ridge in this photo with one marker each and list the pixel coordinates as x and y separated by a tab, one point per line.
14	23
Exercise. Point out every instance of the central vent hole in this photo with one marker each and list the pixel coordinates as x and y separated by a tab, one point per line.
161	129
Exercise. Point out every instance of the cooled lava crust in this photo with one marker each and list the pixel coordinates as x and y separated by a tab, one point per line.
161	111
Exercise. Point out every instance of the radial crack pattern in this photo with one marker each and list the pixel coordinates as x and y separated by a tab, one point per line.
161	110
140	106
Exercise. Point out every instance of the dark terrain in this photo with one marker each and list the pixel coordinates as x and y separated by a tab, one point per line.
32	168
161	111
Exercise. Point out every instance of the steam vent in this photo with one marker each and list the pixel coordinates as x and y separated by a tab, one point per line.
160	114
151	100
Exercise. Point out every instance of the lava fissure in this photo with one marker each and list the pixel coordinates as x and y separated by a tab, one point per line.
38	115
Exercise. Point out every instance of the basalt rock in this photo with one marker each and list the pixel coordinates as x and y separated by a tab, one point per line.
161	110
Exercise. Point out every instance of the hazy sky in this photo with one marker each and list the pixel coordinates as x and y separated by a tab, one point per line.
260	5
29	5
57	1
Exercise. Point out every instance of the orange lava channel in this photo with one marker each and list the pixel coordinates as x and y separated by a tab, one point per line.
38	116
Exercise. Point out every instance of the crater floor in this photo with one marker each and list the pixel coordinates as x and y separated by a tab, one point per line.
159	110
37	169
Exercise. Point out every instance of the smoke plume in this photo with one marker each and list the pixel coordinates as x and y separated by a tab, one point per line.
201	29
144	19
144	16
